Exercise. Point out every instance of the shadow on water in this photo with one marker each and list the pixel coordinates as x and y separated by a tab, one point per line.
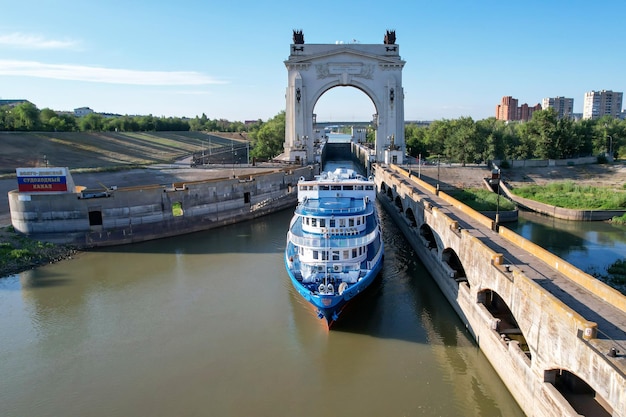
404	302
266	234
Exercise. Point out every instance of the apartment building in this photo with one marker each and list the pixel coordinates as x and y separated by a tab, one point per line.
563	106
602	103
508	109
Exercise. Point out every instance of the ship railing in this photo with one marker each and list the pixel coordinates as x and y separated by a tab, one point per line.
332	242
301	209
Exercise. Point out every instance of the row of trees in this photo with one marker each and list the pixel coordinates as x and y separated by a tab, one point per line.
545	136
464	140
461	140
27	117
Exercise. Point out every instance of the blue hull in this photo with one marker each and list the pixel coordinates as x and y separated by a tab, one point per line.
329	307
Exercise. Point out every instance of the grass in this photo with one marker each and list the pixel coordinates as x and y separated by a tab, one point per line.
619	219
18	253
102	150
570	195
482	200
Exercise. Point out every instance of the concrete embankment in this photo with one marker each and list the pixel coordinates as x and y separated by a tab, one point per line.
113	215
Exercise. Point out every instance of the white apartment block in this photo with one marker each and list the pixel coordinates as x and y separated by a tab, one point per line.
602	103
563	106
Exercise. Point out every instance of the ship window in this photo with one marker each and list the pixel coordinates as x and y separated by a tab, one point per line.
332	222
354	255
322	222
303	188
351	222
358	187
335	187
358	221
336	255
360	250
315	254
314	222
346	254
342	222
324	256
369	187
324	187
348	187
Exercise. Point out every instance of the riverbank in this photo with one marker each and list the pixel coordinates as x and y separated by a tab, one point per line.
18	253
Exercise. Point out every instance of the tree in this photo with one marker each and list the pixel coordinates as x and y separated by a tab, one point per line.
269	140
415	139
462	144
91	122
26	116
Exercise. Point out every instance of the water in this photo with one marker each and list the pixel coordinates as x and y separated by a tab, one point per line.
590	246
208	324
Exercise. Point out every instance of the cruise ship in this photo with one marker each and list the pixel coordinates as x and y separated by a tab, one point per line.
334	244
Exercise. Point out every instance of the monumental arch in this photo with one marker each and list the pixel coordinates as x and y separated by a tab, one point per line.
313	69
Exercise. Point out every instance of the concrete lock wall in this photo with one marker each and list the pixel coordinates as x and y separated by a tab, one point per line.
557	336
141	213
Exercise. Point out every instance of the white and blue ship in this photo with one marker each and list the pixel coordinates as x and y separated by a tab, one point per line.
334	244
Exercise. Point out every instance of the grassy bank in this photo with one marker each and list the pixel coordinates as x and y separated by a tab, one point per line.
482	200
571	195
19	253
101	150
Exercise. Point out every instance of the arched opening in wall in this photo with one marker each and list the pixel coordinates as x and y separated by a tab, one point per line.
504	321
411	218
390	194
453	265
383	188
583	399
428	237
344	106
398	203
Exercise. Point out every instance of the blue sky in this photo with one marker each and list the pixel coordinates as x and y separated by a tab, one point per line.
226	58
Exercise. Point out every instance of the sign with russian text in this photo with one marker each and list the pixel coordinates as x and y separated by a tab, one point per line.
33	180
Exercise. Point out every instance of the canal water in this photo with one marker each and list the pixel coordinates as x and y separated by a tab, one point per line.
208	324
590	246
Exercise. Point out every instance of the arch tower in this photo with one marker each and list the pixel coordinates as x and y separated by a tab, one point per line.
313	69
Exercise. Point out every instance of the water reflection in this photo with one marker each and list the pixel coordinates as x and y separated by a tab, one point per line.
209	324
590	246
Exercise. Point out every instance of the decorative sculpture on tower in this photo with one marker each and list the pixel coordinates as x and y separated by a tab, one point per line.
298	37
390	37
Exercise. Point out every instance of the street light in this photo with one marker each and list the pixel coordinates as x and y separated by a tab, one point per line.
610	145
437	173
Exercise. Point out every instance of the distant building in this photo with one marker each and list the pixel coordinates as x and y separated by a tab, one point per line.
82	111
602	103
13	103
509	110
563	106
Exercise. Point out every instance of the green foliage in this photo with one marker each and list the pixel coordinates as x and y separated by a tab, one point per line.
619	219
482	200
268	141
571	195
543	137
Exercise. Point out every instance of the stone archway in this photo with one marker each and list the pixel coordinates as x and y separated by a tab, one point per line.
375	69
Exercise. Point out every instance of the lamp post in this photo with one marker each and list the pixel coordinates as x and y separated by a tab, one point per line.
610	145
495	179
437	174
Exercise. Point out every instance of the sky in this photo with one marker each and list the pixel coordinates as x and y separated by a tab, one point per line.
226	58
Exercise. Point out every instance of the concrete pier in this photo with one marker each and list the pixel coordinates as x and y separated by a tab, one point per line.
551	331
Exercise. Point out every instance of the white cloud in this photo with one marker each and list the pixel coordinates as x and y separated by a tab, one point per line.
103	75
24	41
